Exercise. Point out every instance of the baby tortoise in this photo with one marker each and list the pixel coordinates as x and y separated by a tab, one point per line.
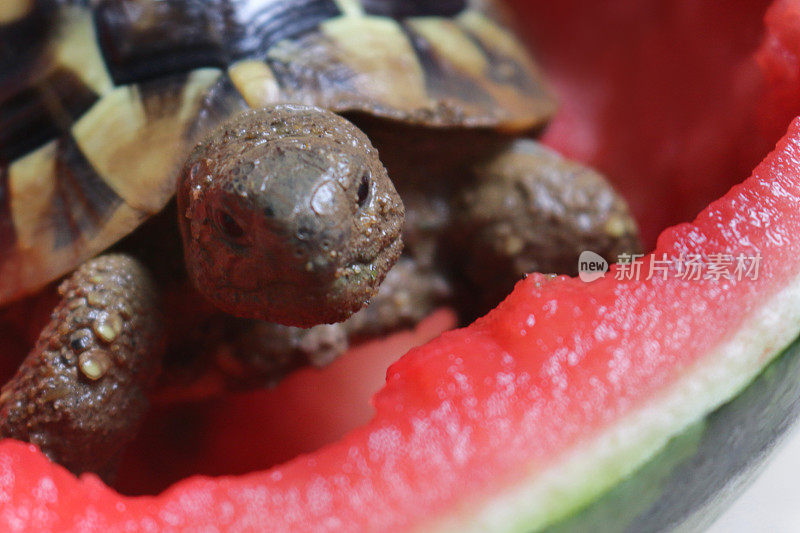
288	218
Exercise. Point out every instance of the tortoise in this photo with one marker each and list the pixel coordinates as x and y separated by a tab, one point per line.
267	118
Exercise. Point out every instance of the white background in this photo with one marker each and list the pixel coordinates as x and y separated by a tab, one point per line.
772	503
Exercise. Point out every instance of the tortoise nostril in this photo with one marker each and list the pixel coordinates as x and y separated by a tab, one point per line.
304	233
363	190
195	170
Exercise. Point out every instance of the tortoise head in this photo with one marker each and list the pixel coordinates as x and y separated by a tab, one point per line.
288	216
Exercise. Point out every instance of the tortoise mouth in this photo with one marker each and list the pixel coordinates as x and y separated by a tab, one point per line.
306	298
372	269
361	268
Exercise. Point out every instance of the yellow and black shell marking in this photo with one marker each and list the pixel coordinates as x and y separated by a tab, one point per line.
100	99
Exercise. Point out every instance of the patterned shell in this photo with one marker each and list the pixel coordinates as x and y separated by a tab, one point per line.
100	99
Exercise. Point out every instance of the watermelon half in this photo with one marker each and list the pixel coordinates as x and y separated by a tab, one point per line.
571	405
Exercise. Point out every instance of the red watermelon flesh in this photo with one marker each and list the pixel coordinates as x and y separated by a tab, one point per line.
527	413
660	95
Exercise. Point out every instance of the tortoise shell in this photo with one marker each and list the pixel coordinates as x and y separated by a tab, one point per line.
100	100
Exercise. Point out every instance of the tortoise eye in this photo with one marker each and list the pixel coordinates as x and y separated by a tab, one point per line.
363	190
228	225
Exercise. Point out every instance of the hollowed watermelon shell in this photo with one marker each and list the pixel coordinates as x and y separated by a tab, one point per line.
534	411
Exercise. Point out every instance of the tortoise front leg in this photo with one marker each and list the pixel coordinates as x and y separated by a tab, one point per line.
80	394
531	210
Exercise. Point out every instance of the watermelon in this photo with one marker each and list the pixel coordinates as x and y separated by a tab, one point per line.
540	413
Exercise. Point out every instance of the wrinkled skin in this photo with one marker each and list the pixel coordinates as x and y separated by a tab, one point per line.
487	208
288	216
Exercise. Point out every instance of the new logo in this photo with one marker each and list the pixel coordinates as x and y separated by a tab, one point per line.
591	266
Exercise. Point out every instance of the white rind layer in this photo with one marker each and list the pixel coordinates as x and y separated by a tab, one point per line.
583	473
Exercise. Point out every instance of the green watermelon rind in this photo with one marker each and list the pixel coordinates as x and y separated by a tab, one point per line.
587	471
618	509
693	479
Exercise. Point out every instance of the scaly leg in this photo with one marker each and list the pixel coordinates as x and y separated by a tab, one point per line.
80	394
530	210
